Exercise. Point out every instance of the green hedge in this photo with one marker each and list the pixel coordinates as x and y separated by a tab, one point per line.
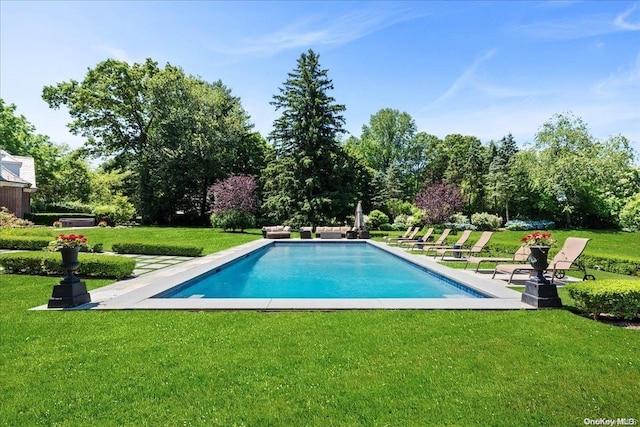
50	264
618	298
629	267
624	266
153	249
26	243
48	218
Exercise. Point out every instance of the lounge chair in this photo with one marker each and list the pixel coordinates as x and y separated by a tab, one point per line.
406	236
564	260
521	256
421	243
477	248
457	245
422	239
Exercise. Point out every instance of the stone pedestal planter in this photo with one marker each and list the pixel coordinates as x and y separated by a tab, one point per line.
71	291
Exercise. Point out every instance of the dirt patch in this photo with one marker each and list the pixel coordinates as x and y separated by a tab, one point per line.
627	324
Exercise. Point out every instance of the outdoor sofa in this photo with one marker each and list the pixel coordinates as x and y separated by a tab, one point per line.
276	232
332	232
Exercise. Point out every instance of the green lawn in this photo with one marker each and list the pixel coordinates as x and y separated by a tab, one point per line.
212	240
603	242
164	368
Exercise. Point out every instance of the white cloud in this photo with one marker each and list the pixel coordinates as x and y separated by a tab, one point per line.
623	83
583	27
464	79
327	31
623	20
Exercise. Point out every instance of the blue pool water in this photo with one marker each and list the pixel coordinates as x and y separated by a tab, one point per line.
320	270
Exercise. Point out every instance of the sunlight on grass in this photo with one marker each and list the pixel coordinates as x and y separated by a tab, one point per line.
524	368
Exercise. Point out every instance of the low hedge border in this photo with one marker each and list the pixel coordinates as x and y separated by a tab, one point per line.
45	263
153	249
26	243
48	218
618	298
625	266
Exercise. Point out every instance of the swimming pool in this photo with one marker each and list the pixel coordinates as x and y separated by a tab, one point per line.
320	270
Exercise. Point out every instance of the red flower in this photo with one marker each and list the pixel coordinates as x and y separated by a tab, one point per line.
538	238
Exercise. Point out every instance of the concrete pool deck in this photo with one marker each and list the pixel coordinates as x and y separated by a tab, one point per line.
136	293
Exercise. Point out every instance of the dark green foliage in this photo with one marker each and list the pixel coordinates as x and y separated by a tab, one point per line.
48	218
176	133
27	243
310	180
50	264
618	298
19	138
156	249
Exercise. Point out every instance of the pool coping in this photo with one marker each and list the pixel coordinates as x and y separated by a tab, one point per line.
136	293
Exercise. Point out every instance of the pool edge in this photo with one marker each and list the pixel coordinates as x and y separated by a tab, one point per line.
135	294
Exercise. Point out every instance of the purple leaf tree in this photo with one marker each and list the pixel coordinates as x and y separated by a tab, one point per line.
439	202
237	193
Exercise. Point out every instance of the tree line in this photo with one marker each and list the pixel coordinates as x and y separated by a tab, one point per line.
166	138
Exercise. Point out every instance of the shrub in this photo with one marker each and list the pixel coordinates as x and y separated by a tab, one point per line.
618	298
523	225
486	221
156	249
376	218
9	220
50	264
397	207
460	222
118	212
626	266
630	214
48	218
233	220
66	207
386	227
26	243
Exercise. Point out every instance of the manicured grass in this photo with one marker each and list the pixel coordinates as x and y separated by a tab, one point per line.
521	368
603	242
547	367
212	240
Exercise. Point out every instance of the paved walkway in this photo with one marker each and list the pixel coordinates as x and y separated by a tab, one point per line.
148	263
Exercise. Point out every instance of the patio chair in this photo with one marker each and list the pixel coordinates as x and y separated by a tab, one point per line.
409	234
426	236
477	248
421	243
562	261
520	256
457	245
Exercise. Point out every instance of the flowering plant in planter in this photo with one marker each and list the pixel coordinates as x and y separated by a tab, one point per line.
68	241
57	224
538	238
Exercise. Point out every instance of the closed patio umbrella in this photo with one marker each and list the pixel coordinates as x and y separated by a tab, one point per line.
359	225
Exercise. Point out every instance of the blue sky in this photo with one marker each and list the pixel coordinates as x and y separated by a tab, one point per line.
475	68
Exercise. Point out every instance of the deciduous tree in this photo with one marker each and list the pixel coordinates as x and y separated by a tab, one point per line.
439	202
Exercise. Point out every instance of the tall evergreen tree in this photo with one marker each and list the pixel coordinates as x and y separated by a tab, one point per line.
501	183
305	137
